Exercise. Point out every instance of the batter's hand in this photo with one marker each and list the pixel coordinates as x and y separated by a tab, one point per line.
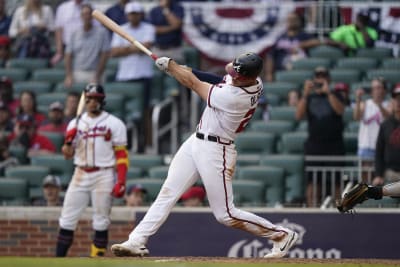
162	63
118	190
70	135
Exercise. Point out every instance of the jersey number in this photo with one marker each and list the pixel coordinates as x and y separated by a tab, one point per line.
245	120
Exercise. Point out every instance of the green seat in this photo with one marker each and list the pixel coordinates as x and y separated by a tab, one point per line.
109	75
28	63
325	51
286	113
358	85
13	191
48	98
19	152
386	202
34	175
353	126
75	87
131	90
293	167
271	177
56	138
15	74
145	161
134	173
114	103
152	186
171	87
192	56
246	192
247	159
391	63
347	115
293	76
311	63
255	142
273	100
112	63
293	142
37	87
272	126
159	172
350	142
357	63
345	75
280	88
57	164
390	75
375	52
53	76
302	126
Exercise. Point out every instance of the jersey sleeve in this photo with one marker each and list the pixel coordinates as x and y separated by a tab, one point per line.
119	133
219	97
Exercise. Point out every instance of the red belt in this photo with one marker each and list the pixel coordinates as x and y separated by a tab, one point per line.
90	169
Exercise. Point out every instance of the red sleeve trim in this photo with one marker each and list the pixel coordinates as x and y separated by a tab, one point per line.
209	95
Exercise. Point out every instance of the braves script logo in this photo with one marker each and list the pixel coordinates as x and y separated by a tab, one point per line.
257	248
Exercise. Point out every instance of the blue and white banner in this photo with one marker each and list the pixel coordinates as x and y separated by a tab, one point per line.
221	31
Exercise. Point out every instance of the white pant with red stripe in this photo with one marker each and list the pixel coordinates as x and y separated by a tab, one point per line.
211	161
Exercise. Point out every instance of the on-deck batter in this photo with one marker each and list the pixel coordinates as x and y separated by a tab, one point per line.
97	142
210	154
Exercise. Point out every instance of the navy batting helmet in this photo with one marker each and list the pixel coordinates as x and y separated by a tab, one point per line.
247	65
95	90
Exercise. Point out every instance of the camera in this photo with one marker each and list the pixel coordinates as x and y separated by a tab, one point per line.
317	85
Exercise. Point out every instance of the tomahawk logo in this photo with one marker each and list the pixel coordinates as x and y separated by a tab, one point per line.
258	247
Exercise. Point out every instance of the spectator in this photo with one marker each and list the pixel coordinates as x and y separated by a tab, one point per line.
117	12
135	195
289	47
55	122
5	20
66	22
30	26
6	123
87	51
134	65
293	98
323	110
71	105
343	89
167	18
354	36
387	155
5	52
370	113
28	106
193	197
25	135
51	192
7	94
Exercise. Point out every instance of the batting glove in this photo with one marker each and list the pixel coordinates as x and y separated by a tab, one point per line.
162	63
118	190
70	135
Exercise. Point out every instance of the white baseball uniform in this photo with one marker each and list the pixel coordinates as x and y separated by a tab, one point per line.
210	154
94	174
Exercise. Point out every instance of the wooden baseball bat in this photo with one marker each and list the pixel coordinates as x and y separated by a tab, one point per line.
81	105
110	24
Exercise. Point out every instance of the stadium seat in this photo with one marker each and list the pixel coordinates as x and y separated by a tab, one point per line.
357	85
15	74
375	52
159	172
192	56
293	76
273	100
353	126
391	63
36	87
53	76
255	142
350	142
112	63
246	192
152	186
293	142
56	138
271	177
76	87
19	153
311	63
347	115
247	159
325	51
115	103
28	63
134	173
57	164
386	202
34	175
279	88
272	126
48	98
390	75
357	63
145	161
302	126
286	113
109	75
130	90
13	191
345	75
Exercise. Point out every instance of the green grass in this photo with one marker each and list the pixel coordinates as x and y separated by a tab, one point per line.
184	262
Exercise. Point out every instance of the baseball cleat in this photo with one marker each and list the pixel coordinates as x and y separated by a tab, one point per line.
281	248
127	250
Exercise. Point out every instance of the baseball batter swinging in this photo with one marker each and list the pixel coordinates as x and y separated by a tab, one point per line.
97	143
210	154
